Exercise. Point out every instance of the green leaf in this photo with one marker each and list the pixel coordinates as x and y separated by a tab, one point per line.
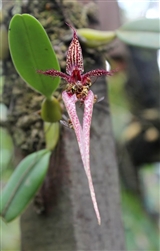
31	50
141	32
23	184
94	38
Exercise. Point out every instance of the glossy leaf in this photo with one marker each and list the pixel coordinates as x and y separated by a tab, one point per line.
141	32
23	184
31	50
94	38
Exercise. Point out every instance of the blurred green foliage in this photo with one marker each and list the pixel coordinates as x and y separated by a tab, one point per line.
141	233
150	183
10	236
143	32
118	103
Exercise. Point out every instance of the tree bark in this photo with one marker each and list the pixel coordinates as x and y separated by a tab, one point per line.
72	224
62	215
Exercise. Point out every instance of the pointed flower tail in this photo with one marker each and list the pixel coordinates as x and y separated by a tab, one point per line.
70	104
74	55
88	109
83	136
54	73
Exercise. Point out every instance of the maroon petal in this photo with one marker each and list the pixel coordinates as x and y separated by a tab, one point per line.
74	55
97	72
55	73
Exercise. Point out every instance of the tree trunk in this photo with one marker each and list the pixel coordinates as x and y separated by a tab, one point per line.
72	224
62	216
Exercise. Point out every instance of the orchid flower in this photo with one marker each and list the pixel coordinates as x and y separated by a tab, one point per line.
78	89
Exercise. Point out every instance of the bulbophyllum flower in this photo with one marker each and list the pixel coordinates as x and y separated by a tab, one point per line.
78	89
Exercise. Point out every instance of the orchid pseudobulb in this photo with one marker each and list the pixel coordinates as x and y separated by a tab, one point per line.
78	89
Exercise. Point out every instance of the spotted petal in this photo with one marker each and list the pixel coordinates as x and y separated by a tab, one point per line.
70	104
54	73
74	59
83	136
88	109
98	73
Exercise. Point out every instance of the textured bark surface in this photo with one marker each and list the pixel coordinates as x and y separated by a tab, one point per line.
62	215
72	224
